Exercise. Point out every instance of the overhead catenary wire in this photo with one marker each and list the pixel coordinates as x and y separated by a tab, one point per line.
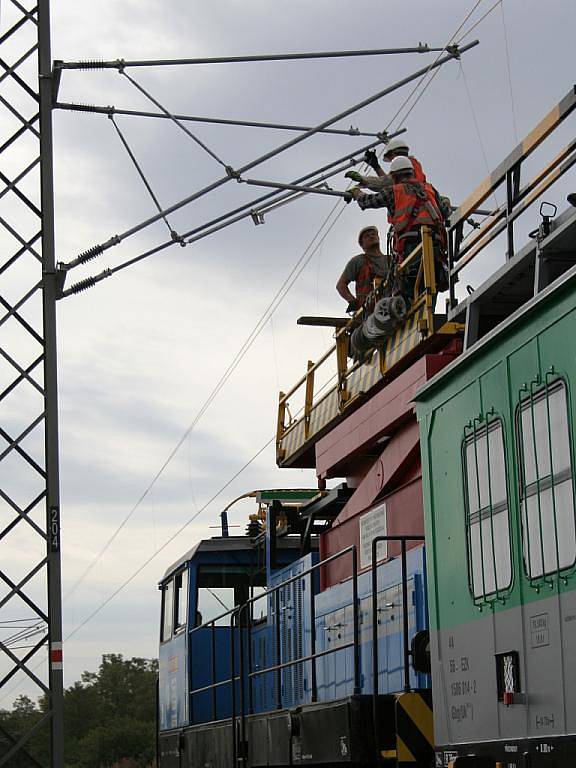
260	325
477	128
479	21
116	239
509	72
422	82
177	533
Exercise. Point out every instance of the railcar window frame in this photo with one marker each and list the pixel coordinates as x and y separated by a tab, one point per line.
477	514
180	599
540	484
167	624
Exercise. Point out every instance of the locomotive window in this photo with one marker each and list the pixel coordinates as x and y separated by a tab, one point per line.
546	485
260	604
180	600
487	515
213	602
167	610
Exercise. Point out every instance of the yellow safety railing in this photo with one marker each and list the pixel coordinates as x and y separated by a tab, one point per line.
424	295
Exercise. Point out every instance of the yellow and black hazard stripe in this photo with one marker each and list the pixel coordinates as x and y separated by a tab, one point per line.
405	338
414	729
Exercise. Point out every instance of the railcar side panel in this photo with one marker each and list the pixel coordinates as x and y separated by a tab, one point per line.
498	456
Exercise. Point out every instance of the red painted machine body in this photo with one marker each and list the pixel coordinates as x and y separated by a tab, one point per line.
377	450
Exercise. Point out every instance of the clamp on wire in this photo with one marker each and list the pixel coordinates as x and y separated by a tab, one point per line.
257	216
176	238
231	173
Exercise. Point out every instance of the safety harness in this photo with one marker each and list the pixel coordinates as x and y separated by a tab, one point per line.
415	205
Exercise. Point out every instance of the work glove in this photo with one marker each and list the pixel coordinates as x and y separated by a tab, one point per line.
353	306
354	175
371	159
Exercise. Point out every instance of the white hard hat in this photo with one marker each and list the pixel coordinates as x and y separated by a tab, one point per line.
393	145
401	165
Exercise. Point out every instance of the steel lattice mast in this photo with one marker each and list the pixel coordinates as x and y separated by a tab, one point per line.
30	577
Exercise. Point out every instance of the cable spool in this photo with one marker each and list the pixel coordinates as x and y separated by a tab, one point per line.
371	330
389	312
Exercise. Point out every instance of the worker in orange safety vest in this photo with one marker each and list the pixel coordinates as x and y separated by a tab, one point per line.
394	148
411	204
363	269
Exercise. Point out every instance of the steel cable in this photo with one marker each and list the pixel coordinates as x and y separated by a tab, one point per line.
260	325
174	119
141	173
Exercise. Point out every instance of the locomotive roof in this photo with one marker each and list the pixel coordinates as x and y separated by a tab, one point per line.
223	544
517	275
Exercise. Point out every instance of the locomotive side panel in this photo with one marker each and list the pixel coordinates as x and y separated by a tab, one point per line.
498	457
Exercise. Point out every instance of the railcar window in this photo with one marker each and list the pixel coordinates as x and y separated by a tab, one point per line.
487	513
213	602
260	604
167	610
180	600
546	481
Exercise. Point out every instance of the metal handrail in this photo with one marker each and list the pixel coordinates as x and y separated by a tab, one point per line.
374	573
235	615
462	250
424	294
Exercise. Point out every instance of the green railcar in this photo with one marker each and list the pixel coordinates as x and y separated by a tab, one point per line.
498	431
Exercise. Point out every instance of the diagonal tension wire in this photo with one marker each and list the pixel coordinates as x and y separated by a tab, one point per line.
509	71
174	119
180	530
477	129
422	82
233	216
479	21
279	297
116	239
174	235
168	541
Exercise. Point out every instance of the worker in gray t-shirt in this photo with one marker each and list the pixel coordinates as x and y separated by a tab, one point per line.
362	269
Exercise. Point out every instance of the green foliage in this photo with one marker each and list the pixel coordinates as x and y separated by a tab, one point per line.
110	719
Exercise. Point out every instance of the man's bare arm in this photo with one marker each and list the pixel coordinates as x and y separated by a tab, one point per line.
344	291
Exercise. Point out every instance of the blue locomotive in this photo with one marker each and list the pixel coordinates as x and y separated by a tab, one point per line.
259	666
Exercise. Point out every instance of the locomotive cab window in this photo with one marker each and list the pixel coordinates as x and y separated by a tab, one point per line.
546	481
487	511
180	601
222	588
167	610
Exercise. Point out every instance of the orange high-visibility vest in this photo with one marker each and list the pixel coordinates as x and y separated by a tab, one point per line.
415	205
364	280
419	174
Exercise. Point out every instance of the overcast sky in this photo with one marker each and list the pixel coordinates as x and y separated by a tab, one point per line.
140	352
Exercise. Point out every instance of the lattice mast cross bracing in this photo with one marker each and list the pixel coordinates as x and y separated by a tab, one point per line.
29	494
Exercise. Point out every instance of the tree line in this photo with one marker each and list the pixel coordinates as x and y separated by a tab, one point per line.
110	719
